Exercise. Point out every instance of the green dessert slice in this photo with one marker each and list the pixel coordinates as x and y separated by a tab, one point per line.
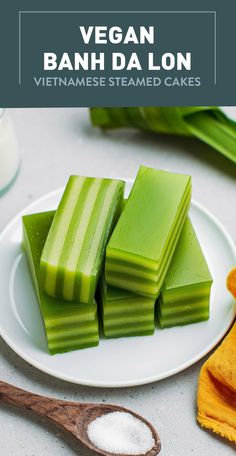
185	296
68	325
124	313
137	255
75	247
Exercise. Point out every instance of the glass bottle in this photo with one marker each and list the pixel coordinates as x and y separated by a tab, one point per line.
9	154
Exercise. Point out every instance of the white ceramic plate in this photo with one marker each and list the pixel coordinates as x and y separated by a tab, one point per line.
117	362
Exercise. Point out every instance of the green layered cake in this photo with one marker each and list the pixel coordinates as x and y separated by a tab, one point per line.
185	295
68	325
74	250
123	313
143	242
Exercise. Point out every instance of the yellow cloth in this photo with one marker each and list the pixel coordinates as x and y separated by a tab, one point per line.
217	390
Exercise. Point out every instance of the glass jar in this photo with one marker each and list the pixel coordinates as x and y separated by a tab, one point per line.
9	154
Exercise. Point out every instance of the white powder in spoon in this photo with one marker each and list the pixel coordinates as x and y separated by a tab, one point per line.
120	433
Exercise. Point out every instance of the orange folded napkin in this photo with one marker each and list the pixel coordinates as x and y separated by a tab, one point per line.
231	282
216	398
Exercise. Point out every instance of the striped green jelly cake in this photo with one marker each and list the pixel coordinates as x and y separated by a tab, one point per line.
74	250
68	325
123	313
142	244
186	291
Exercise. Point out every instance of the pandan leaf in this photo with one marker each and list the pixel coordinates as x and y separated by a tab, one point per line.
207	123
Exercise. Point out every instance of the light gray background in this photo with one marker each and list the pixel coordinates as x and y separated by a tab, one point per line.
55	143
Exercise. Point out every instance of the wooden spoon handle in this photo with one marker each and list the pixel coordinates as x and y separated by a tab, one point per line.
25	399
63	413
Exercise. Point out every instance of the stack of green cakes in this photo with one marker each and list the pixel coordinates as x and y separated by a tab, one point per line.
65	250
125	313
143	242
153	238
127	259
68	325
185	294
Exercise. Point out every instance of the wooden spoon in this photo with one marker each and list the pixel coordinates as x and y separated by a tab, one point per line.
72	416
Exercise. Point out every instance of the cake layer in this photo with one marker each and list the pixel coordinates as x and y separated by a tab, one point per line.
180	320
185	295
186	305
59	346
142	330
192	293
74	250
124	313
138	256
68	325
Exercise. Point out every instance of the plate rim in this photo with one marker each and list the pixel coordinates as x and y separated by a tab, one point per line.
118	384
